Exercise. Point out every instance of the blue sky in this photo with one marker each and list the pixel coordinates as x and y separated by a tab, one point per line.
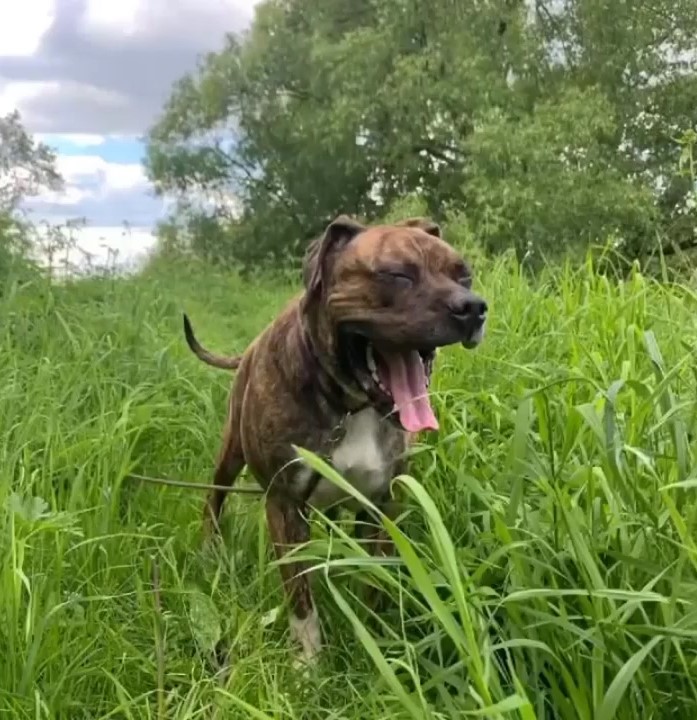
110	149
89	77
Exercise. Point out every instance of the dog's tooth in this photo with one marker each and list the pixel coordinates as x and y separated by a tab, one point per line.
370	359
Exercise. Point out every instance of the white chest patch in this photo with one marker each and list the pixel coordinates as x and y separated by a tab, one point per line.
359	458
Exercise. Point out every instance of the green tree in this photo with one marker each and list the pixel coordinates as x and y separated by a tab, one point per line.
26	168
551	123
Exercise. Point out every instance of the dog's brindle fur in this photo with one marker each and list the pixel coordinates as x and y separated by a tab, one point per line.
291	388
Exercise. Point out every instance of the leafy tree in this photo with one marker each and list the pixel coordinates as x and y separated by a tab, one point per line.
551	123
26	167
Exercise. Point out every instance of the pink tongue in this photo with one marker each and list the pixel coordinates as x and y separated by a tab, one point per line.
405	378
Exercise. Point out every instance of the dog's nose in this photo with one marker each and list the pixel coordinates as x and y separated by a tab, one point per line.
468	306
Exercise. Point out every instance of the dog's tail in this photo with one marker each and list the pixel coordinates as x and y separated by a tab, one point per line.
219	361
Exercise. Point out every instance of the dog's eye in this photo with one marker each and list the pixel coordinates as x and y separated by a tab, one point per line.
466	281
398	277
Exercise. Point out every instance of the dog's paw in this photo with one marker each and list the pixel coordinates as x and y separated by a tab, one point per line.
306	632
303	664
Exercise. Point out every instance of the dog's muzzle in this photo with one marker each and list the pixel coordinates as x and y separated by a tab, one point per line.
469	311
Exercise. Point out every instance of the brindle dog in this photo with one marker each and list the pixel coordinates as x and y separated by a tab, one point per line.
343	371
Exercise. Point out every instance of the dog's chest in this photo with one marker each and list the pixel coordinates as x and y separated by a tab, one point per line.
365	456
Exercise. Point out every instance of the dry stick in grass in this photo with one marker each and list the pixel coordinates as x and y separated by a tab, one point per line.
204	486
196	486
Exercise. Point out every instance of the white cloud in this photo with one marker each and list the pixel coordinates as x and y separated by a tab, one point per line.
158	18
116	243
71	195
100	192
95	246
23	25
110	18
92	177
111	176
14	94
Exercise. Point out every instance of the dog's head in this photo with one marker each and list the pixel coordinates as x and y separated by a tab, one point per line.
388	296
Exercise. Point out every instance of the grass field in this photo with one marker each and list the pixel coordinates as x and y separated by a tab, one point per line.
551	565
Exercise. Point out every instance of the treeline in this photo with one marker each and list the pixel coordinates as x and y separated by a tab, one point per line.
543	126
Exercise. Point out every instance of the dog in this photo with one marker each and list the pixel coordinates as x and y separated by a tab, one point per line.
344	372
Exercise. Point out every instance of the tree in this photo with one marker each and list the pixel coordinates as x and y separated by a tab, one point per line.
544	123
26	167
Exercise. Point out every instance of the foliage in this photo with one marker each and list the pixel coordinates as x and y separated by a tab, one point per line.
547	567
13	246
551	124
550	182
26	167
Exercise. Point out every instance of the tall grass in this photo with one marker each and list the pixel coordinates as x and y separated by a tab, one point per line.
546	557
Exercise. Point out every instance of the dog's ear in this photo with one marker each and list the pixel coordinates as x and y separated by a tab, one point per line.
425	224
321	250
310	260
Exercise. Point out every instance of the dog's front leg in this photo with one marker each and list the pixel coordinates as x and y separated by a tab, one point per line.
377	542
288	527
369	529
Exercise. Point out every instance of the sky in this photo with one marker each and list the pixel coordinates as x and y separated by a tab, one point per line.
89	77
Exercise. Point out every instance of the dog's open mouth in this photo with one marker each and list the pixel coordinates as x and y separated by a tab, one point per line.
396	379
